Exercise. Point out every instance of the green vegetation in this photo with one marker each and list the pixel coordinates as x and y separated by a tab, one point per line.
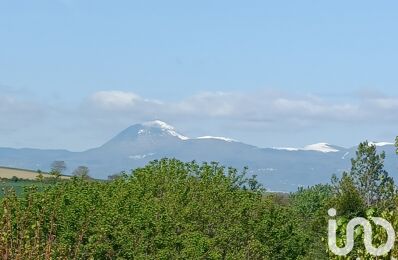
19	185
174	210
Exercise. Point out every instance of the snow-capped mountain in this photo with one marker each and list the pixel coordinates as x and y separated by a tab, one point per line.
164	127
217	138
379	144
318	147
282	169
321	147
151	129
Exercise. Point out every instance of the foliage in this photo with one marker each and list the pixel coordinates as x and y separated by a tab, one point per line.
310	205
379	236
166	210
348	201
370	178
57	168
174	210
82	172
365	191
19	187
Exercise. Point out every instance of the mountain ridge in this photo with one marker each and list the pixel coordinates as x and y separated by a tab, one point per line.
283	169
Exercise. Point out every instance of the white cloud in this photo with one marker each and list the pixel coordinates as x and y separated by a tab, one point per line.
114	100
387	103
265	106
241	115
17	112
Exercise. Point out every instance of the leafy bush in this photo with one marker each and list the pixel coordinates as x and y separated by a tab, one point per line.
165	210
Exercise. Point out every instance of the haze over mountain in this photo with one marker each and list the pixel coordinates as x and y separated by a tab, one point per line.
278	169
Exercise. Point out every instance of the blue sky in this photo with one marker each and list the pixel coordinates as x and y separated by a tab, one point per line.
271	73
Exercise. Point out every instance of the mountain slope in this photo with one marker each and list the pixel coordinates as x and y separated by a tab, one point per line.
281	169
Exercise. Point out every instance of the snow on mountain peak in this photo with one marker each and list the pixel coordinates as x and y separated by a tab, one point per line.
171	130
159	124
165	128
380	143
290	149
320	147
217	137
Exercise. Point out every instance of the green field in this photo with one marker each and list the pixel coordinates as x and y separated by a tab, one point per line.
19	179
20	185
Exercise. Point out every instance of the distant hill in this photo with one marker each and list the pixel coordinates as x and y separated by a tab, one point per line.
8	173
279	169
